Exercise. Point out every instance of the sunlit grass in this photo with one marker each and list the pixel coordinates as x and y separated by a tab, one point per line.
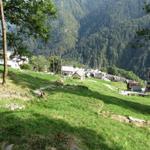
72	111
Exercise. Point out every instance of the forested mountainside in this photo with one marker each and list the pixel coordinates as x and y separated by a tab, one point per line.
101	33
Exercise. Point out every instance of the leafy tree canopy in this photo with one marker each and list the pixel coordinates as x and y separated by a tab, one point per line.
29	17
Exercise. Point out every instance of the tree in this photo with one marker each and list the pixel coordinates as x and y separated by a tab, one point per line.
24	19
16	43
29	17
3	24
55	64
145	32
39	63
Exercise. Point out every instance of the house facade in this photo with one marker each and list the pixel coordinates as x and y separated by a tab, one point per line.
134	86
15	61
75	72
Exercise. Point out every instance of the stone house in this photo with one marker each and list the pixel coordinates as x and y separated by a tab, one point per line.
80	74
134	86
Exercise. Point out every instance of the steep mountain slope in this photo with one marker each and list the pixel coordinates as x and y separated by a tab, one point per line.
107	35
100	33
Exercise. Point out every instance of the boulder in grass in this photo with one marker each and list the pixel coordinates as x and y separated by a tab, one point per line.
59	82
136	120
39	93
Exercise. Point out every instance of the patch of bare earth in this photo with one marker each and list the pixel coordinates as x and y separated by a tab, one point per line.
126	119
11	91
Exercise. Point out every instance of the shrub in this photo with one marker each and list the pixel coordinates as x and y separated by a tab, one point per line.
26	67
39	63
55	64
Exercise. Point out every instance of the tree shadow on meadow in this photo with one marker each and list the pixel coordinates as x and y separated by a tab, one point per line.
36	131
33	83
86	92
26	80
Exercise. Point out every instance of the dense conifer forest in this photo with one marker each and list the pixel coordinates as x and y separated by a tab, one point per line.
100	34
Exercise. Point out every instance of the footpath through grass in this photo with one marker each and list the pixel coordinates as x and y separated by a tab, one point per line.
68	116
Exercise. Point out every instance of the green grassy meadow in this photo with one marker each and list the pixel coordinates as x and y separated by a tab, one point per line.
68	117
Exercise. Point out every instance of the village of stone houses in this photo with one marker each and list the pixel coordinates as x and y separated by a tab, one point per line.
74	75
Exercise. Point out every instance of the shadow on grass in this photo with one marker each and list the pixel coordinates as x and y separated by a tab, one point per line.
38	132
36	82
26	80
84	91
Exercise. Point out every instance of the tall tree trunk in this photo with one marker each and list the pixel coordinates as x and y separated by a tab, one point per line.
3	24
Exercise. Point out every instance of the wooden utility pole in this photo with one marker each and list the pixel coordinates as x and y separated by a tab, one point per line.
4	39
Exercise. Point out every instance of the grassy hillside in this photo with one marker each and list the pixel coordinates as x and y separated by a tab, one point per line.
70	116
